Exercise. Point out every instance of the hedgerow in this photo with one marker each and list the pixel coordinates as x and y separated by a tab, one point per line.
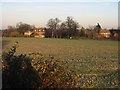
35	71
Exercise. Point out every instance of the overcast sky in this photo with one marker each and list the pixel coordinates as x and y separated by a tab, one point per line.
38	13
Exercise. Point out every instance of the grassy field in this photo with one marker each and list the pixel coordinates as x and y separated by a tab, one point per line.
88	57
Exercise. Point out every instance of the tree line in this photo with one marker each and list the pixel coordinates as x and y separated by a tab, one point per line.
18	30
55	28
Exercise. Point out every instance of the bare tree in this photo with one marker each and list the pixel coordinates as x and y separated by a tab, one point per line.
62	30
72	27
22	27
53	25
94	31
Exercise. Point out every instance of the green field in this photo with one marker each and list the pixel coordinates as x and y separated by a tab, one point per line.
85	55
82	56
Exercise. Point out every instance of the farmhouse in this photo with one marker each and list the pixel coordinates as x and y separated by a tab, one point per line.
105	33
28	33
37	32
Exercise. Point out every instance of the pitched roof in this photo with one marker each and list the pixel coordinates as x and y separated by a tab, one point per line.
104	31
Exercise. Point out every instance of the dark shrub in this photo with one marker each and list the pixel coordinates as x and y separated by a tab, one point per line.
18	71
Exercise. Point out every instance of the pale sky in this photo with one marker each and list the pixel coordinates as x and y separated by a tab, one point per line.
38	13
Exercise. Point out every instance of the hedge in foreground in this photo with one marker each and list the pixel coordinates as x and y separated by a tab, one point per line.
52	72
35	71
18	71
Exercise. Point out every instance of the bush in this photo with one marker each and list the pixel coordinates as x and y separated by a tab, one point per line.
18	71
35	71
52	72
